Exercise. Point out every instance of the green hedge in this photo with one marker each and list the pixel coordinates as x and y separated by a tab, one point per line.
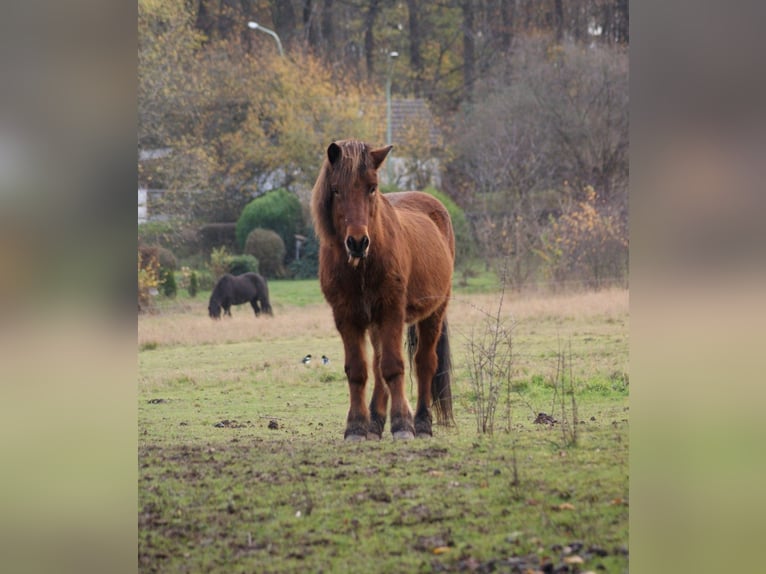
278	210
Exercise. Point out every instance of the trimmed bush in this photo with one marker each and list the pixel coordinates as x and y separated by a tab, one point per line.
267	246
168	280
166	258
278	210
193	284
465	247
239	264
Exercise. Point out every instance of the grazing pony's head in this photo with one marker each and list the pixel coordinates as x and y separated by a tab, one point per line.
214	309
345	196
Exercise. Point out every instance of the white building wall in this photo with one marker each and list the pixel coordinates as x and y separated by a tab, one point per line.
142	215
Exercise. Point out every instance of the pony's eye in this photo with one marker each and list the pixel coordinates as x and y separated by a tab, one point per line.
334	190
372	189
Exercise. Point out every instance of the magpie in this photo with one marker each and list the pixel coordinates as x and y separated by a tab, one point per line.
307	359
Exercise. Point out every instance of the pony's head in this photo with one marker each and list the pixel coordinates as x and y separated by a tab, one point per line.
345	196
214	309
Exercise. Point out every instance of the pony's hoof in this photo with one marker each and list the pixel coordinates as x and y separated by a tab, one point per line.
423	429
404	435
355	437
373	436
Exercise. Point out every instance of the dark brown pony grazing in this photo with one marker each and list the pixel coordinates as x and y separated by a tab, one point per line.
385	261
236	290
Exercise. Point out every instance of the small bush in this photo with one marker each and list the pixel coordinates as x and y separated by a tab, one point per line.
193	284
219	262
166	258
168	281
586	243
239	264
267	246
278	210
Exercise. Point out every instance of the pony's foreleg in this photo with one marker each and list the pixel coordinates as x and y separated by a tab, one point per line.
379	401
358	420
392	371
256	308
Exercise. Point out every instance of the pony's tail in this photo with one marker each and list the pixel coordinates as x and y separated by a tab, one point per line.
441	388
265	304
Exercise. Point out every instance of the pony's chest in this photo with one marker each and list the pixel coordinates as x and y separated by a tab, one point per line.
367	296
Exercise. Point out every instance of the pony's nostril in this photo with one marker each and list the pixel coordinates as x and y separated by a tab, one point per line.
357	248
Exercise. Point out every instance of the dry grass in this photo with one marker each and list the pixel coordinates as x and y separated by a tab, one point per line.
188	324
588	322
571	306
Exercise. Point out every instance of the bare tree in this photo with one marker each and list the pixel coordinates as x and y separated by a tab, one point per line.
560	116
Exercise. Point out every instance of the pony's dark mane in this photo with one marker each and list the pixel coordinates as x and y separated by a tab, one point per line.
355	159
220	287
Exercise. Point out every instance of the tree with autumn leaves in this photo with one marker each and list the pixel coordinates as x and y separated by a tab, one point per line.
527	95
233	122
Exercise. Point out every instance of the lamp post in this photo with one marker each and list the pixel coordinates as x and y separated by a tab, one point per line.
389	166
256	26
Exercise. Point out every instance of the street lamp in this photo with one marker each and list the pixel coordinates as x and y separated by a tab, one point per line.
389	166
256	26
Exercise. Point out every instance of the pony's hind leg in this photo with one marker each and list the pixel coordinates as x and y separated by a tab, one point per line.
256	308
379	401
392	372
428	332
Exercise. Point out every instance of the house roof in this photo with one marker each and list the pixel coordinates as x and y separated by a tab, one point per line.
405	113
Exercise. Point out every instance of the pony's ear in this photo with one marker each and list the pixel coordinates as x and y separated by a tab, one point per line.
378	155
333	153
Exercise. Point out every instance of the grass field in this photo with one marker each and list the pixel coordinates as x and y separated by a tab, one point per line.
243	467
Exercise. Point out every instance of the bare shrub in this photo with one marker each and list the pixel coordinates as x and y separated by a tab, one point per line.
563	393
553	114
490	362
587	243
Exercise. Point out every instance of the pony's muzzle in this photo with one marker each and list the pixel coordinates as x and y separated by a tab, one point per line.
357	247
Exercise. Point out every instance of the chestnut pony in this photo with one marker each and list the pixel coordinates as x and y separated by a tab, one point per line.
385	261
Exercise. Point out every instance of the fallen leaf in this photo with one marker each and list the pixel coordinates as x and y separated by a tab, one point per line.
435	473
575	559
564	506
440	549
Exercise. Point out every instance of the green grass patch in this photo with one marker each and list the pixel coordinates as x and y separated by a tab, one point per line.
243	467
